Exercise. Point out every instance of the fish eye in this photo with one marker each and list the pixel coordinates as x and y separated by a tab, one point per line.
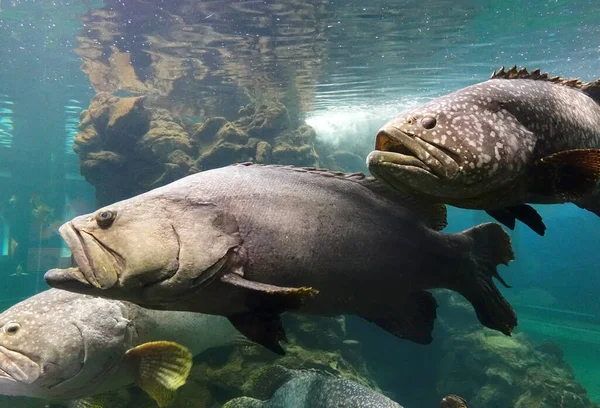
105	218
428	122
12	328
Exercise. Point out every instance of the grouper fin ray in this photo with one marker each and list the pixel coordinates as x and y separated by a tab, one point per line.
524	213
503	216
591	202
243	402
159	368
412	319
490	246
433	214
570	175
261	324
591	89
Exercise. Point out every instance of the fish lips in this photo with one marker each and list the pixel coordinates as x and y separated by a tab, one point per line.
25	371
70	279
89	253
397	148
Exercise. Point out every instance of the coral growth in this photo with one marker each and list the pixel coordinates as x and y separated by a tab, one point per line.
490	369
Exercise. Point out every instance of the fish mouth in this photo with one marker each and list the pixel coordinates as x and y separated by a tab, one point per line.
403	150
90	254
71	279
27	371
7	376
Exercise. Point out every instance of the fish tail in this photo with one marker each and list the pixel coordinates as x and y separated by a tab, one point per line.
490	246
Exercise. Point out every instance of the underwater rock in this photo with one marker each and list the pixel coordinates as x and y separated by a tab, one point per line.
164	138
120	139
193	64
318	332
264	121
229	132
224	153
494	370
263	152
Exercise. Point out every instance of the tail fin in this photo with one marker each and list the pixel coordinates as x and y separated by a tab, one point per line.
490	246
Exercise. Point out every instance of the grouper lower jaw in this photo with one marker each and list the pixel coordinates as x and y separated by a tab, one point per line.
411	151
70	279
4	376
17	367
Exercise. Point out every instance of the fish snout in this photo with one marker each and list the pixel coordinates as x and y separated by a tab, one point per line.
409	150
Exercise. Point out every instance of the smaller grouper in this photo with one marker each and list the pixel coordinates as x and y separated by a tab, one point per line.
520	137
65	346
310	389
250	242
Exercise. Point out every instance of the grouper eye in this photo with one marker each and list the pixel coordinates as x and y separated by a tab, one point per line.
12	328
105	218
428	122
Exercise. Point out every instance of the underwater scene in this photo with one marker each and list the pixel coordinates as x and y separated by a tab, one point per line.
299	203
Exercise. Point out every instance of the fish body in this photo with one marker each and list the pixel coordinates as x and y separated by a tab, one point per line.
314	389
520	137
249	242
60	345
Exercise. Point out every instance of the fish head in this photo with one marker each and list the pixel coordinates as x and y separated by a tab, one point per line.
457	146
51	342
149	249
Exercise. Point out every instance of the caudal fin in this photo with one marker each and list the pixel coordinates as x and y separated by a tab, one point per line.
490	246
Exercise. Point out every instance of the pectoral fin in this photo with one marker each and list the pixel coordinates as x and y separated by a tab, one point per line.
262	328
159	368
411	319
569	175
265	303
524	213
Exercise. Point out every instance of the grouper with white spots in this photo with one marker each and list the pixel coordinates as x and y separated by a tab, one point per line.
520	137
64	346
310	389
250	242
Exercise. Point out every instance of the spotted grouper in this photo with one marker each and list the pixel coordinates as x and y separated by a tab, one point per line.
520	137
66	346
310	389
250	242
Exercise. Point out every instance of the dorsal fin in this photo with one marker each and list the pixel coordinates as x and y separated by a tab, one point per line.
591	89
433	215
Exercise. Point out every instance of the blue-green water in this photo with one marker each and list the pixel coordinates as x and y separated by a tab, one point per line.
346	67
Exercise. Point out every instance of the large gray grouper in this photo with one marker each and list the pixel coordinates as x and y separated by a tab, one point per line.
249	242
520	137
64	346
